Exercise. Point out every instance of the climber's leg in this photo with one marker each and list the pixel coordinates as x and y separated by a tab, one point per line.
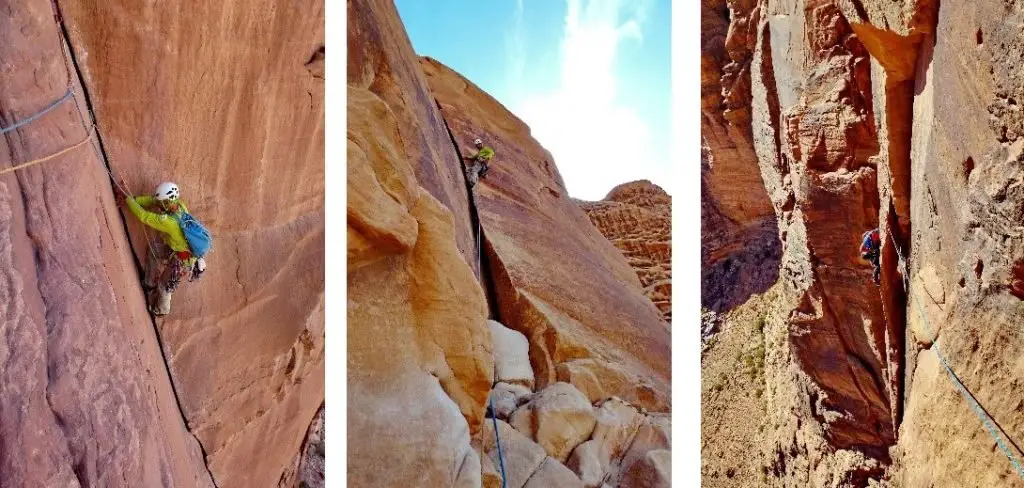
155	264
160	301
483	169
473	174
876	270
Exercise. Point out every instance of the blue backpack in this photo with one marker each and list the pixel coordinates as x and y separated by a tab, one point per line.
199	240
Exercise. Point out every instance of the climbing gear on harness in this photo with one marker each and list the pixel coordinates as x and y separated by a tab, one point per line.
166	191
174	271
198	238
197	269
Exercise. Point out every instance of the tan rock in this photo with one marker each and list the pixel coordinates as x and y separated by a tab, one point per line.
600	380
559	418
491	475
506	398
740	249
416	313
654	470
522	456
552	473
586	462
511	355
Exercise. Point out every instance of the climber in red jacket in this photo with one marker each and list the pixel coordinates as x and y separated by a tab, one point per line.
871	251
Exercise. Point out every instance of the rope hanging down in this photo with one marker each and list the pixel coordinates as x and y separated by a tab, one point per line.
490	398
979	411
88	137
33	117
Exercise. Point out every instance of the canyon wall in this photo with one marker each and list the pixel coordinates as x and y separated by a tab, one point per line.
901	116
740	248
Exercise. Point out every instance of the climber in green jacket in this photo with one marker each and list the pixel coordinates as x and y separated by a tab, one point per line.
480	159
169	260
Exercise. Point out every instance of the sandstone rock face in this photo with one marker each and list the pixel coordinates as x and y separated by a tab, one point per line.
511	355
239	128
84	390
739	243
963	233
416	314
815	142
537	242
637	218
902	116
559	418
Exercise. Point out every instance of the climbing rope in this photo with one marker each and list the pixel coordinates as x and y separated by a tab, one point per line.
65	55
986	419
33	117
497	439
88	137
490	398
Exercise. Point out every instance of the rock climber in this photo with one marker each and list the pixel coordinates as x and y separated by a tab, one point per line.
870	250
170	260
480	159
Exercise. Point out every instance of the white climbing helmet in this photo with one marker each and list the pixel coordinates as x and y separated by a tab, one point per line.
477	141
166	191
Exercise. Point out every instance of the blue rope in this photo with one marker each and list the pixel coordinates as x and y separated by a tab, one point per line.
497	439
4	130
976	407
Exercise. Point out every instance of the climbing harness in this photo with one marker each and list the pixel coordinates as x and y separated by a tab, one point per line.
979	411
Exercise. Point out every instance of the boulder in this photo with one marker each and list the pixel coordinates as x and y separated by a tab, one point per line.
559	418
522	456
511	355
552	473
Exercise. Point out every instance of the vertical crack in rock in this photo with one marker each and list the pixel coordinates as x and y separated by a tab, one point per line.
65	39
483	251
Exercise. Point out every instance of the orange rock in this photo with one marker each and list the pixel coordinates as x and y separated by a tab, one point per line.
86	396
234	116
555	278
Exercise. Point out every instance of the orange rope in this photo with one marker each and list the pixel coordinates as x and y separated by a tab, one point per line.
62	152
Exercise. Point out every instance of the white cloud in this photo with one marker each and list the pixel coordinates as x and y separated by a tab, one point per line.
597	142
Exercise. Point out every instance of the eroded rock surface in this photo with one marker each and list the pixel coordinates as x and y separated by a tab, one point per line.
740	247
902	116
637	218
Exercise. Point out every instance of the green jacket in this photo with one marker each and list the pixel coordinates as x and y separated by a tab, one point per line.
165	223
485	153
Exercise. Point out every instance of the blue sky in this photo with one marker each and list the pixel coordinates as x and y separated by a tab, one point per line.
590	77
